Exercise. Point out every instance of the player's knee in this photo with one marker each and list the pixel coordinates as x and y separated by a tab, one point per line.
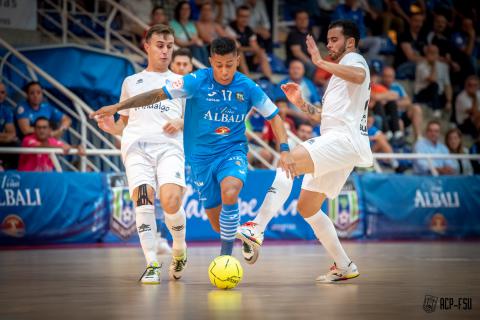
171	202
230	193
143	195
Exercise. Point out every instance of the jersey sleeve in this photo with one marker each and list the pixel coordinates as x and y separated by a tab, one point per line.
355	60
184	87
21	112
8	115
262	103
124	96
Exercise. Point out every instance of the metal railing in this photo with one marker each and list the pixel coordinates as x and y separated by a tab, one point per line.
81	108
53	152
66	10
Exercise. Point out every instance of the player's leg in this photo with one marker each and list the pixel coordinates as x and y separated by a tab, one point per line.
229	216
171	179
309	206
231	173
141	179
251	232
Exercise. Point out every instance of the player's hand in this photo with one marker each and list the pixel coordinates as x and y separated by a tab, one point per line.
107	123
287	163
173	126
293	93
313	50
104	112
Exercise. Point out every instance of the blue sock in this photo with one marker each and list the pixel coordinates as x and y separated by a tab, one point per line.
229	222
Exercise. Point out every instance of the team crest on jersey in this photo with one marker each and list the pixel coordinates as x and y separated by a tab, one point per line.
177	84
20	110
239	96
139	81
222	130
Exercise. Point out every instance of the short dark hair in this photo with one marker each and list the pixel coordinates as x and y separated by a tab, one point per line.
182	52
159	29
41	119
223	46
349	29
432	122
30	84
300	11
178	7
242	7
157	8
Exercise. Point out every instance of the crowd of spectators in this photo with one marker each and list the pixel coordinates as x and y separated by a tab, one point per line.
422	54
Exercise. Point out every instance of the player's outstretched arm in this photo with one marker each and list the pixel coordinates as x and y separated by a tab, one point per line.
293	92
348	73
143	99
286	160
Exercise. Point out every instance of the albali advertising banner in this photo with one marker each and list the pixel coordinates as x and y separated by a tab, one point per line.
345	211
419	207
38	208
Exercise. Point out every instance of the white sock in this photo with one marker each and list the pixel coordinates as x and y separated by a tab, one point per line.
276	196
326	233
147	229
176	223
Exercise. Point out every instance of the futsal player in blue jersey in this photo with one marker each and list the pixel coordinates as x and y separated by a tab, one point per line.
218	101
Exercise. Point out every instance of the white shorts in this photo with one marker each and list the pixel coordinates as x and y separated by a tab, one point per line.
334	158
154	164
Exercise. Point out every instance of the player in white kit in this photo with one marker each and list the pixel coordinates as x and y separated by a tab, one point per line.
328	160
152	152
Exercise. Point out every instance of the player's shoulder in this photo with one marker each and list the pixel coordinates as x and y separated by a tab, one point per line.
136	78
244	81
352	58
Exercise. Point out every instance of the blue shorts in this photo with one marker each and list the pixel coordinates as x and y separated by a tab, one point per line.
207	176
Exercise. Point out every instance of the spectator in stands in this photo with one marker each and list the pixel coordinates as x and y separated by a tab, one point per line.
41	138
260	23
384	105
464	40
453	140
431	144
296	44
208	29
304	132
405	8
181	61
410	113
296	73
352	11
8	134
142	9
432	82
186	34
467	107
410	47
247	40
378	140
458	61
34	107
475	149
158	16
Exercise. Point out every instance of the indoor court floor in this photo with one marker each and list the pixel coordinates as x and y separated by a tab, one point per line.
101	283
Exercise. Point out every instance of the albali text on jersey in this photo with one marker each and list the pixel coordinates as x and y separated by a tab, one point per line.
215	114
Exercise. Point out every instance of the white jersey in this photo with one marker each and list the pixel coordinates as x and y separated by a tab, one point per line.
345	108
146	123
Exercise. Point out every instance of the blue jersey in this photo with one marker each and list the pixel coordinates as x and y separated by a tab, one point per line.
215	114
6	116
24	111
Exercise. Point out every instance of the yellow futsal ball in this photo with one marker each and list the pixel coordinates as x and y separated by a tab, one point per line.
225	272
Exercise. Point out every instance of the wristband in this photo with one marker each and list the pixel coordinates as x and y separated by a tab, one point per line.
284	147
